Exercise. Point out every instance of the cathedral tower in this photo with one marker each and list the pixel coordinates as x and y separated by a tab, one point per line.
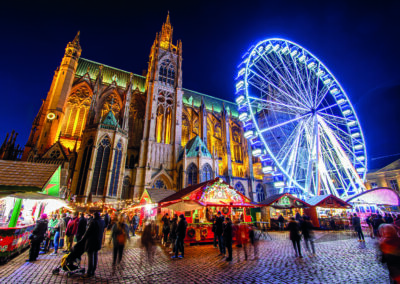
162	130
47	127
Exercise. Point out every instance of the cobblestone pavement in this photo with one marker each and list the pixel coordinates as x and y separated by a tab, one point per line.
338	260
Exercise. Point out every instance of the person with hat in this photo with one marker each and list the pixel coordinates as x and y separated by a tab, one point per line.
180	237
37	237
227	235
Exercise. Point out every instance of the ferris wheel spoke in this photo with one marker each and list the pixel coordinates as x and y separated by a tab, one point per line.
324	91
328	107
284	123
276	106
285	85
300	77
293	80
334	118
288	143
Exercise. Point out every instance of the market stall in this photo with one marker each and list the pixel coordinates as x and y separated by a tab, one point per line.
199	203
328	212
283	204
375	201
21	204
148	204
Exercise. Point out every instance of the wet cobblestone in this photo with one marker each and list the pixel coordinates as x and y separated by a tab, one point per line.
339	259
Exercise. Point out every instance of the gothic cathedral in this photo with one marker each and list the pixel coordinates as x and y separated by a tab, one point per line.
116	133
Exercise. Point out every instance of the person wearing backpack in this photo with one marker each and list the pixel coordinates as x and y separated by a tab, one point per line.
119	236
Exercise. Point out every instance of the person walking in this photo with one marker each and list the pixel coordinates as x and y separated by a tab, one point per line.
357	227
376	223
180	237
281	222
59	234
82	223
51	234
135	223
369	222
242	237
295	236
227	235
93	239
72	229
389	245
308	234
166	228
388	218
37	237
253	241
172	234
119	236
219	223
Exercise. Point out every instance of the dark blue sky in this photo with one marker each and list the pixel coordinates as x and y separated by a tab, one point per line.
358	40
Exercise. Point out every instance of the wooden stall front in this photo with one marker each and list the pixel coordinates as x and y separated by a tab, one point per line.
283	204
200	203
328	212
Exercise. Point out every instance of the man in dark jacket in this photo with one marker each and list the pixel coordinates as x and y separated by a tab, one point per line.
166	228
357	227
81	227
227	234
180	237
172	234
135	223
93	238
219	224
37	237
295	236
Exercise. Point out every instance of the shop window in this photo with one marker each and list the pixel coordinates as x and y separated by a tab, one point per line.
100	167
87	153
192	174
116	170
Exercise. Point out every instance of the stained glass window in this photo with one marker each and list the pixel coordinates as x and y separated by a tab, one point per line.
192	174
100	168
239	187
207	172
159	184
116	170
87	153
166	72
260	193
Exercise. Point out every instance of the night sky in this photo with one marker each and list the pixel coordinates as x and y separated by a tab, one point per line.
359	41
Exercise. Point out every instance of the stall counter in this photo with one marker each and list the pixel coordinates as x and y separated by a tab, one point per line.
13	240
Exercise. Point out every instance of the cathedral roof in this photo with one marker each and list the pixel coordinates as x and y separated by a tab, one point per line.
108	72
189	97
192	97
110	119
193	147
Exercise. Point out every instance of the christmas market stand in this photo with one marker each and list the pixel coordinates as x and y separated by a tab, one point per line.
148	209
328	212
27	190
283	204
199	203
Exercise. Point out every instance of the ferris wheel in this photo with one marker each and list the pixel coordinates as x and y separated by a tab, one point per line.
299	121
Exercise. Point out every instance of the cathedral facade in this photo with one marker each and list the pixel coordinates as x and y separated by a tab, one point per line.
116	133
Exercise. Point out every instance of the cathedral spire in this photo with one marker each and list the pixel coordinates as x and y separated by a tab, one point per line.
166	34
96	91
77	37
125	123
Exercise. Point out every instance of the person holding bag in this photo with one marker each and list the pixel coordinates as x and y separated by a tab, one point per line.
119	236
59	230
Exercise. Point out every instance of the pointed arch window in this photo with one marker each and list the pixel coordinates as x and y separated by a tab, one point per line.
101	166
207	172
83	172
192	174
239	187
126	188
166	73
180	178
260	193
159	123
116	169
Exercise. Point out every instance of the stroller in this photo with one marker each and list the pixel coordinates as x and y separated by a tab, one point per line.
70	262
